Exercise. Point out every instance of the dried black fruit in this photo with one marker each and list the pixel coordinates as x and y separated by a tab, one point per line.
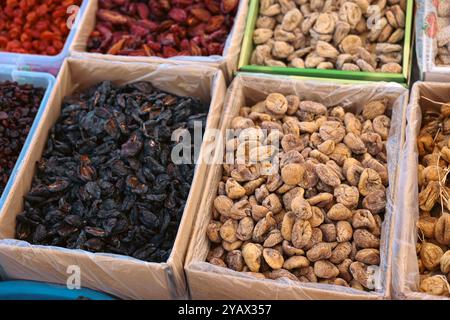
106	181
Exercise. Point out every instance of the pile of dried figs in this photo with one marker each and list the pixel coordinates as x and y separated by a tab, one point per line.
106	181
305	195
162	28
352	35
433	248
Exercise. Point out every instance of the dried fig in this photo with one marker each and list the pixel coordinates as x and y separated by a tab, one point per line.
347	195
218	262
368	256
312	107
375	201
360	274
274	237
344	231
340	254
281	273
287	225
213	232
430	255
369	181
320	251
326	50
435	285
301	208
245	229
292	173
262	35
365	240
290	195
355	143
234	260
228	230
339	212
327	175
373	143
290	250
363	219
328	231
332	130
445	262
426	224
374	109
292	19
223	205
296	262
276	103
327	147
429	196
350	44
344	269
273	258
321	200
317	217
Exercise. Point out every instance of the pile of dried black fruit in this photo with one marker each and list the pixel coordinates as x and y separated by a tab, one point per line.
106	182
18	107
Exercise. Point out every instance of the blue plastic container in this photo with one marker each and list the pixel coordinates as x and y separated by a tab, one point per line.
37	79
31	290
43	63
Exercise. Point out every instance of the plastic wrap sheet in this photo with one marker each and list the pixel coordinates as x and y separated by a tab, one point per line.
121	276
428	26
406	271
207	281
227	62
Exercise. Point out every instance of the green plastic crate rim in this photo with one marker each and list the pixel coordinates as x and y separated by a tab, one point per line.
247	49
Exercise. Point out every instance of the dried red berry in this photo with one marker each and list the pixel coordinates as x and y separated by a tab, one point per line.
162	27
228	6
201	14
111	16
215	23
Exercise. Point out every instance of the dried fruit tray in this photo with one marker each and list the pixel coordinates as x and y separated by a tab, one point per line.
38	79
120	275
247	49
227	62
42	63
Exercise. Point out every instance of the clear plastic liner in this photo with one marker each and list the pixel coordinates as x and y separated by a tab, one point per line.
207	281
227	62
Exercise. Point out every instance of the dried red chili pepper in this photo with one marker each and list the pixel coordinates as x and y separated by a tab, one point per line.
34	26
161	27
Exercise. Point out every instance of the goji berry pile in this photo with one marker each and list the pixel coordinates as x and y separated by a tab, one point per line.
34	26
18	107
162	28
